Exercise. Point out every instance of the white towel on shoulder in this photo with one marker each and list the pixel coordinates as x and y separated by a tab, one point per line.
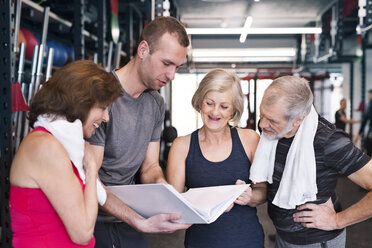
298	183
70	134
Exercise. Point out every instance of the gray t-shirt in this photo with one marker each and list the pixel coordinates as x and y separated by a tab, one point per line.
134	122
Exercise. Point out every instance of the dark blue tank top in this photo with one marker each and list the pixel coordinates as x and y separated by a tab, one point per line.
238	228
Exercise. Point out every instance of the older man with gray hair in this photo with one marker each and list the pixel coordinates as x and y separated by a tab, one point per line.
300	155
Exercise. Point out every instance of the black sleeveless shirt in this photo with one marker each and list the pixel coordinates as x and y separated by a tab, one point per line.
239	228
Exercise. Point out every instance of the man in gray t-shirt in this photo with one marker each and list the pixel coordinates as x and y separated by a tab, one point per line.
130	141
134	123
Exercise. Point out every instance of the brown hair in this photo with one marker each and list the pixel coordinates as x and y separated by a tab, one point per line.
161	25
73	90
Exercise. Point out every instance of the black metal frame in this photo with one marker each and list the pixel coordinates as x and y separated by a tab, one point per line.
340	28
79	41
7	72
101	30
351	96
158	8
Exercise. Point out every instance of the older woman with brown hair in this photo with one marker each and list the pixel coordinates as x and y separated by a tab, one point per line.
219	154
53	192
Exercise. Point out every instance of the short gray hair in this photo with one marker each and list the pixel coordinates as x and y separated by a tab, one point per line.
294	91
221	81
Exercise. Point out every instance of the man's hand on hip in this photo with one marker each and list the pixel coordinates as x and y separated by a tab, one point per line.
322	216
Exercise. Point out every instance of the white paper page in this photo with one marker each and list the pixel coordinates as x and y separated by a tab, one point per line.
211	202
152	199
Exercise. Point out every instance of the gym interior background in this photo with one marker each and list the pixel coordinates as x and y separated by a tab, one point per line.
327	42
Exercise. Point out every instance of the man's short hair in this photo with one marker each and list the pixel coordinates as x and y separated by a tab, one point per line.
294	92
161	25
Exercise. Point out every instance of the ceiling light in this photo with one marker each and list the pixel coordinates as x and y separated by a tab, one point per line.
214	30
238	31
216	1
247	25
236	55
244	52
242	59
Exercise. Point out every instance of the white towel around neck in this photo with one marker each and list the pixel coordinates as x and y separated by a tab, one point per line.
298	183
70	134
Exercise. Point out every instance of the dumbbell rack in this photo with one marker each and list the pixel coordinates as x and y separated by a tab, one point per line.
8	72
71	28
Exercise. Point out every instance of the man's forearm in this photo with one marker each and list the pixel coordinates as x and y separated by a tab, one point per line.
361	210
258	196
358	212
115	207
152	174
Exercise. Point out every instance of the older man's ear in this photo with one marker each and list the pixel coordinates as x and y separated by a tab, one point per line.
298	122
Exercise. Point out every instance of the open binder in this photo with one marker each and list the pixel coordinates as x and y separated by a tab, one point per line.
197	205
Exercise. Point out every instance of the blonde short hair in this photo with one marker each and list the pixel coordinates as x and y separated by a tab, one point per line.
221	81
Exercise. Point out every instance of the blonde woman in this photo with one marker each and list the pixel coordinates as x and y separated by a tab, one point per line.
219	153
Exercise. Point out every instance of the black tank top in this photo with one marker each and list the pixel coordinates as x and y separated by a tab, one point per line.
238	228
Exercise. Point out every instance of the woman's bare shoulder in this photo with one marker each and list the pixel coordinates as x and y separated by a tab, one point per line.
39	154
248	133
42	145
182	141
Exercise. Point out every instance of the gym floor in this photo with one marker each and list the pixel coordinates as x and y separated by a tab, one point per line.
358	236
